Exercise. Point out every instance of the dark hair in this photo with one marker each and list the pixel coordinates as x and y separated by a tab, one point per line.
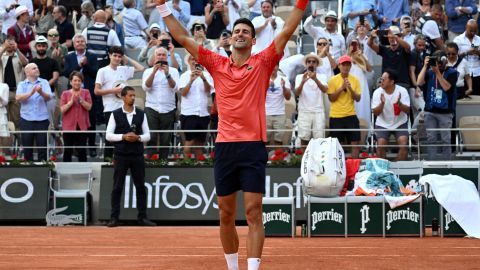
126	89
245	21
267	1
419	37
452	45
75	73
440	55
116	49
62	10
436	7
392	74
192	29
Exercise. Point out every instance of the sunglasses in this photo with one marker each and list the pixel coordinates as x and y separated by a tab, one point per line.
322	44
311	61
451	54
53	35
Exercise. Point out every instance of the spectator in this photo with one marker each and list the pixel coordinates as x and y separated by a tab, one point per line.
310	90
198	31
22	32
216	18
160	85
180	9
12	63
390	12
109	82
164	40
469	43
354	10
8	12
464	81
406	27
112	24
49	68
267	27
134	25
4	131
75	104
255	8
44	18
87	19
391	106
420	10
64	27
440	101
428	26
236	10
459	12
56	51
86	63
326	64
337	41
223	45
99	38
33	94
394	56
195	85
119	5
197	10
343	90
415	65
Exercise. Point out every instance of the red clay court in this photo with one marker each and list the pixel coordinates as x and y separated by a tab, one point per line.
199	248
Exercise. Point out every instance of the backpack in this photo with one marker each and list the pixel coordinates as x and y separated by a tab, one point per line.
323	168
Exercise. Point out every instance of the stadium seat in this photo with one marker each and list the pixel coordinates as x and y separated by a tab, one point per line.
470	138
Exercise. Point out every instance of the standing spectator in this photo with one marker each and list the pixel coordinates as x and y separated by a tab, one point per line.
440	101
267	27
406	27
87	19
119	5
235	8
255	8
44	18
343	90
415	65
390	12
56	51
22	32
160	85
134	25
197	10
108	84
49	68
180	9
469	44
391	106
8	12
464	81
429	26
326	64
112	24
336	39
4	131
33	94
421	10
12	63
216	18
100	38
354	10
64	27
86	63
195	85
223	45
75	104
310	90
198	31
459	12
164	40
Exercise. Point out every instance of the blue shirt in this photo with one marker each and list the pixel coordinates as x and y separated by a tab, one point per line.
355	6
118	5
35	107
457	21
183	16
392	9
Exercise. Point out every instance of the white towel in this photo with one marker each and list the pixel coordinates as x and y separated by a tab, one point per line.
459	197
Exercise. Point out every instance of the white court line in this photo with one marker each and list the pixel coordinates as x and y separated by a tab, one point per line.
217	247
264	255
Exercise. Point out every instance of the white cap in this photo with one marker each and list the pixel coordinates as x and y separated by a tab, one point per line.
154	25
40	39
331	14
20	10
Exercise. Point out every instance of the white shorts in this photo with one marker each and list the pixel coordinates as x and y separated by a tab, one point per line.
311	123
275	122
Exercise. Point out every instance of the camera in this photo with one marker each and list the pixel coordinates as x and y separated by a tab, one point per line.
198	27
164	43
432	61
155	35
362	19
198	67
162	63
383	37
224	35
330	43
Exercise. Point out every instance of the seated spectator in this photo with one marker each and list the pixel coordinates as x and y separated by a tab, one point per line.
468	44
391	106
4	131
164	40
310	89
420	10
195	86
440	102
87	16
459	12
216	18
75	104
415	63
278	91
43	17
134	25
464	81
406	27
390	12
22	32
355	11
65	28
223	44
429	26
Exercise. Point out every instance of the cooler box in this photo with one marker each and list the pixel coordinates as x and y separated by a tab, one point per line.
406	220
279	216
448	225
326	216
365	216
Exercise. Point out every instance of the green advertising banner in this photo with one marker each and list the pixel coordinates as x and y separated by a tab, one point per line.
365	216
23	192
278	219
327	216
404	220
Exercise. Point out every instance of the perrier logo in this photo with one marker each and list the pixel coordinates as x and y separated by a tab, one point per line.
324	216
401	215
448	219
365	217
276	215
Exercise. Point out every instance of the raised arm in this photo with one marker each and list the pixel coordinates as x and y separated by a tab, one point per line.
179	33
291	24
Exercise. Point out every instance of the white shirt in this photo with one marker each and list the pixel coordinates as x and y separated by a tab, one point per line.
338	41
112	39
257	7
464	45
410	38
133	22
9	18
114	137
325	68
106	77
462	69
387	118
268	34
196	101
311	98
430	29
275	101
160	97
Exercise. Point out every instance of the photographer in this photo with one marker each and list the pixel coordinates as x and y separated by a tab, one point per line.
198	31
468	44
160	40
440	101
407	34
160	85
223	45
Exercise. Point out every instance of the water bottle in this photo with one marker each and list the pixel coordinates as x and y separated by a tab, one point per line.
304	230
434	226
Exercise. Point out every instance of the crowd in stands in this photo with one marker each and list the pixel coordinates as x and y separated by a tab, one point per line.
64	65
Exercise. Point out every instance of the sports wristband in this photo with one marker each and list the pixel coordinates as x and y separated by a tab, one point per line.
302	4
164	10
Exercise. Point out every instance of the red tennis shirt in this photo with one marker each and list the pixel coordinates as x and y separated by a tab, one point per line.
240	93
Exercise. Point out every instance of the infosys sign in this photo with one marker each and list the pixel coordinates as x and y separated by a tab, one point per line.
188	193
23	193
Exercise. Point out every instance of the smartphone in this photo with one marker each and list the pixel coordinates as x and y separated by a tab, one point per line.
155	35
362	19
198	28
432	61
165	43
162	63
311	69
354	45
407	25
383	37
198	67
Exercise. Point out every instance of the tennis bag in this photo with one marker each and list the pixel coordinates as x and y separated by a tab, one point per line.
323	168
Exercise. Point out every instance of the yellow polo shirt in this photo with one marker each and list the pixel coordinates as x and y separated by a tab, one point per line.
344	106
